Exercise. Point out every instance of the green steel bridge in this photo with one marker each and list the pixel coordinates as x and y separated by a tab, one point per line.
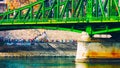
92	16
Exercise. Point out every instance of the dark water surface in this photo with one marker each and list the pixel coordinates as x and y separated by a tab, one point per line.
50	62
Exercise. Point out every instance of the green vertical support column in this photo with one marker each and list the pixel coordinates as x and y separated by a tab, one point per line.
112	10
119	7
116	7
64	9
106	27
79	8
102	9
67	9
58	8
43	9
73	7
89	10
113	13
8	16
19	15
109	8
31	13
89	29
92	7
97	4
55	10
82	10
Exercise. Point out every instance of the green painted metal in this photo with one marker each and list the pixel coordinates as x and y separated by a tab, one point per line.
89	30
89	9
117	6
58	8
13	27
102	9
106	31
75	12
79	8
92	10
38	14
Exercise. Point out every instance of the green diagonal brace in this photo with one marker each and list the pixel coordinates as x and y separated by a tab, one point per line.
107	31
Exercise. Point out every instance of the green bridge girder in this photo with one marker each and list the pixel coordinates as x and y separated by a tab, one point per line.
92	16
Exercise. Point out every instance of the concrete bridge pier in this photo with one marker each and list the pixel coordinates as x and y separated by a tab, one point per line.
89	50
81	54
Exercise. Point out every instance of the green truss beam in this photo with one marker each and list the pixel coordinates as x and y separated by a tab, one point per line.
66	12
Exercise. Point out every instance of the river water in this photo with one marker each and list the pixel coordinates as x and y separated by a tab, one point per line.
51	62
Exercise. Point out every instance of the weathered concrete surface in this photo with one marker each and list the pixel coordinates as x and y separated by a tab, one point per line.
98	52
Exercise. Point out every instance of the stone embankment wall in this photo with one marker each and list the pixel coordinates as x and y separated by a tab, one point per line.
42	49
32	33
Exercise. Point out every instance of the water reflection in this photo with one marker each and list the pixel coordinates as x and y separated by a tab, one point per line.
81	65
97	65
42	62
50	62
